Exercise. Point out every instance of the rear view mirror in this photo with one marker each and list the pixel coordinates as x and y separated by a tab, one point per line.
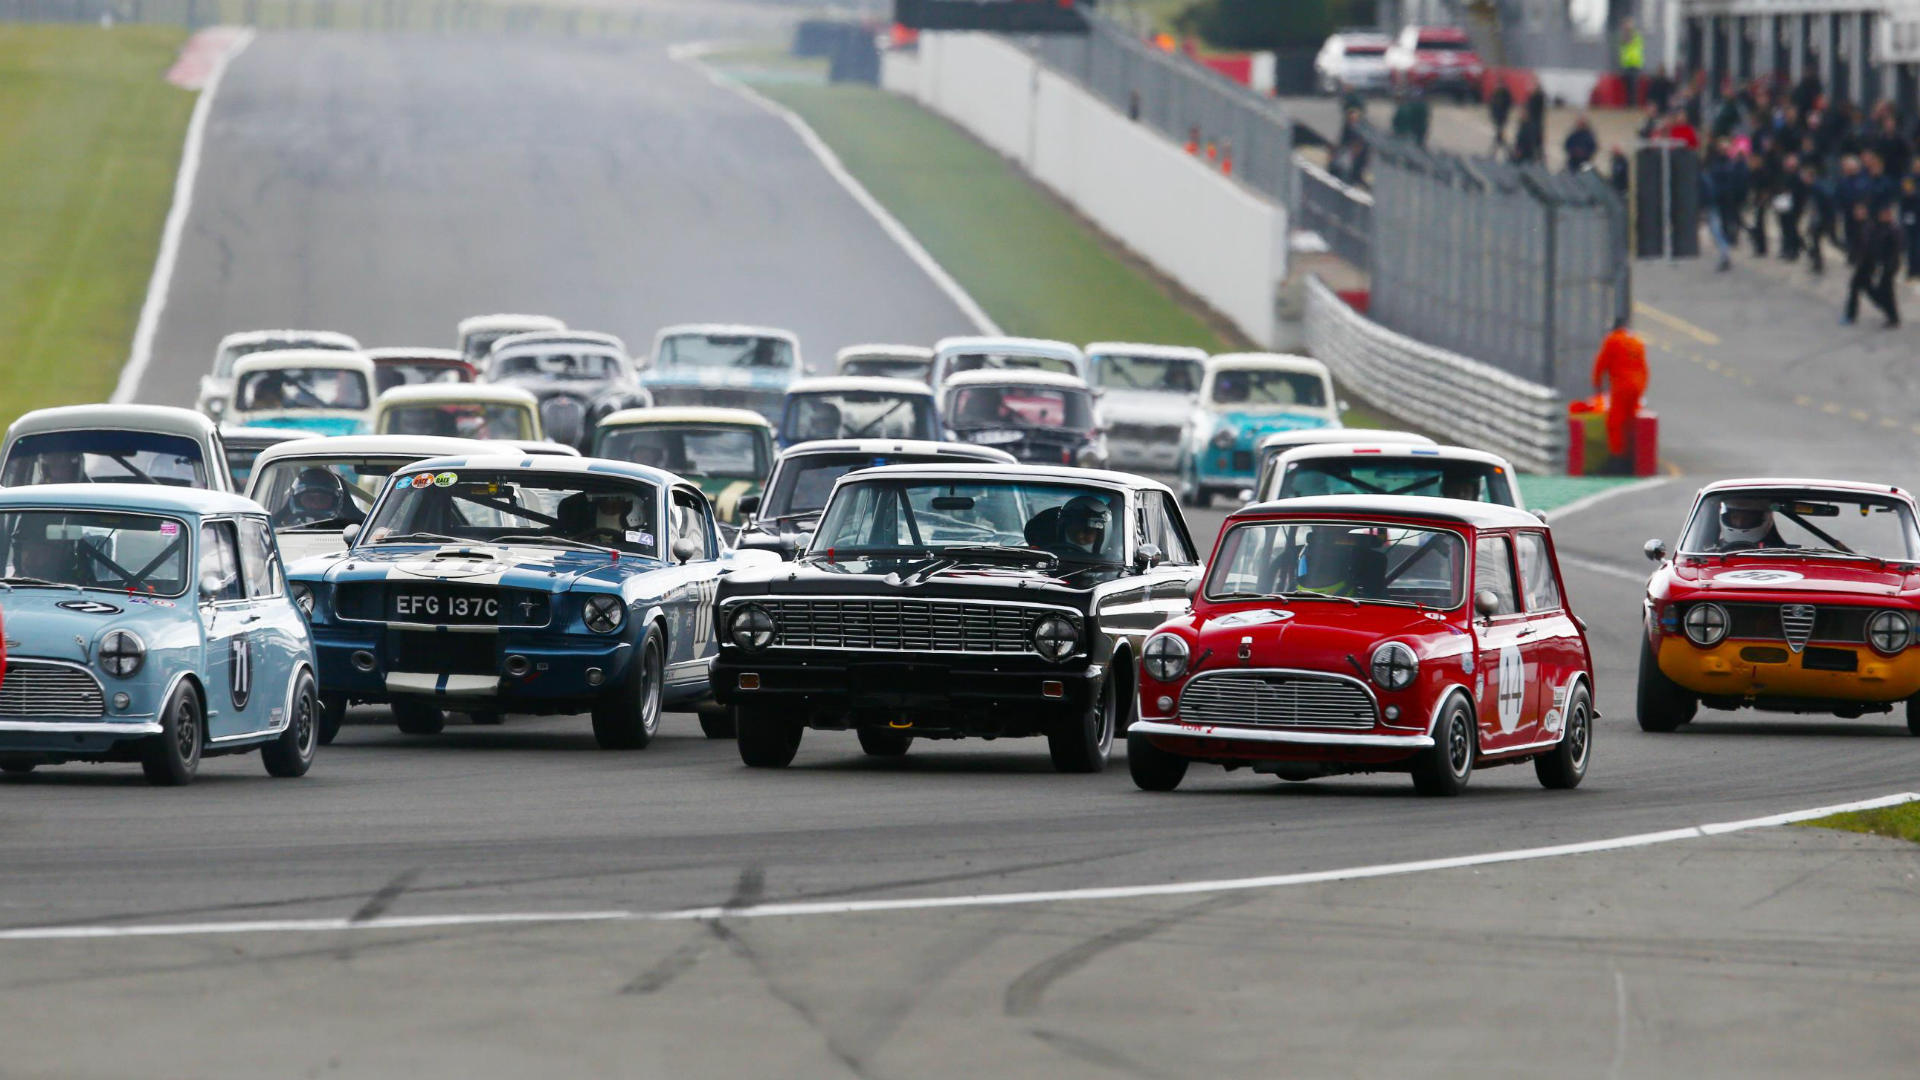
1487	603
1656	550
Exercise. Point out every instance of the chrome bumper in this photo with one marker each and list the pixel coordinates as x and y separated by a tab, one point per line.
1288	738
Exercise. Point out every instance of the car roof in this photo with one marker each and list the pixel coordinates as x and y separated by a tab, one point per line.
432	393
592	338
725	330
1002	344
684	414
399	353
1312	436
879	384
1013	377
1480	515
1253	361
283	359
158	498
246	337
161	418
242	435
1316	451
891	352
420	446
1055	474
1136	348
549	463
1854	486
474	324
1441	33
926	447
539	446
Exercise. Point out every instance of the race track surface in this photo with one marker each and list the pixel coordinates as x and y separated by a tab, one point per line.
389	186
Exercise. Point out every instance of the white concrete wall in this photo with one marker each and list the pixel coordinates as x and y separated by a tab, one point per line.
1218	239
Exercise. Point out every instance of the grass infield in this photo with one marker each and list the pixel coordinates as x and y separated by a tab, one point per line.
1900	822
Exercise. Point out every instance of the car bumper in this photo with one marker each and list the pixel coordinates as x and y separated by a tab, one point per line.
1222	741
559	670
57	739
1730	669
828	689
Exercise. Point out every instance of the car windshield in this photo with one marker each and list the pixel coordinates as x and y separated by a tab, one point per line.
105	457
1366	50
557	365
223	363
995	361
522	506
1818	522
887	367
389	374
912	516
323	493
801	484
1159	374
1443	44
1260	389
973	408
95	549
463	419
858	414
726	351
301	388
1358	560
735	453
1371	474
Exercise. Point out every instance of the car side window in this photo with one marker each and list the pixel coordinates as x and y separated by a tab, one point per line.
259	559
1165	516
1493	572
1536	572
690	522
219	563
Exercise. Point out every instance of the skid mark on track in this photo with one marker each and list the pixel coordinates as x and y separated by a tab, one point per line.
1095	1054
677	963
1024	993
380	901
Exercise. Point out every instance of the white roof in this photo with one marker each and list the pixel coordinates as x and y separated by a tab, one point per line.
685	414
374	446
927	447
848	384
542	446
481	324
1391	452
413	352
290	359
884	352
319	339
1014	377
1134	348
1266	362
723	330
1310	436
1008	345
161	418
456	393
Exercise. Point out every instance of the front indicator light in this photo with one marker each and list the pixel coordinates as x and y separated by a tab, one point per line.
1705	624
1889	632
1053	688
748	681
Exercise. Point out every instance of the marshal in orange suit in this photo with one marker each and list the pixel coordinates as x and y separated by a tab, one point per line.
1622	365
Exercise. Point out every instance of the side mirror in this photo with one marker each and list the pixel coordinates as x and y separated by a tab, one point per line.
1193	587
350	533
684	549
1245	495
210	587
1542	515
746	504
1487	603
1656	550
1146	557
1342	406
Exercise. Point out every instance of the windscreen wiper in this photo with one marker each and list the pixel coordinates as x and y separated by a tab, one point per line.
544	538
1000	553
35	582
419	537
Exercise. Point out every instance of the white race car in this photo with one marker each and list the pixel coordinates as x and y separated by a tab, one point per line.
1146	398
216	387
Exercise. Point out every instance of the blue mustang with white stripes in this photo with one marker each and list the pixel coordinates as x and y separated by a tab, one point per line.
521	584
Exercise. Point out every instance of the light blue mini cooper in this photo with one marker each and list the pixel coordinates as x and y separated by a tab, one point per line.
148	624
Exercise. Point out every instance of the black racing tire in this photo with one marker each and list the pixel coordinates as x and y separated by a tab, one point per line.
1444	769
767	740
414	718
486	718
291	755
333	713
716	721
1563	767
171	758
628	718
17	766
1152	768
1661	704
878	743
1081	743
1913	716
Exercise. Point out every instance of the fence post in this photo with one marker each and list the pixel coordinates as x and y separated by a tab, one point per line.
1550	300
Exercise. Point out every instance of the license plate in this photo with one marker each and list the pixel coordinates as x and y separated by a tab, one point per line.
997	438
435	607
899	685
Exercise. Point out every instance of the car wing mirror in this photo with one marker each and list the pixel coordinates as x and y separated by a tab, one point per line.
1656	550
210	588
1542	515
1146	557
350	533
1486	602
1193	587
684	549
747	504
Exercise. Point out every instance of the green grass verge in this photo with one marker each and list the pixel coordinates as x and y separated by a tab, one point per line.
1900	822
90	138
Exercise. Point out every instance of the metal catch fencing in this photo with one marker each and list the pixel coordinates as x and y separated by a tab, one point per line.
1338	213
1470	402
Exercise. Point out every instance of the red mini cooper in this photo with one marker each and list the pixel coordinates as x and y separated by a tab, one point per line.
1349	634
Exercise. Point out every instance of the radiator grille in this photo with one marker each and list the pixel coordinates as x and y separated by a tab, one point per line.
901	626
1797	624
1796	620
1146	433
1276	700
34	690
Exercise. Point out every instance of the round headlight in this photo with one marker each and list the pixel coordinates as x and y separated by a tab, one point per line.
1054	637
604	613
751	628
1165	657
121	653
1224	439
216	406
302	596
1889	632
1706	624
1394	666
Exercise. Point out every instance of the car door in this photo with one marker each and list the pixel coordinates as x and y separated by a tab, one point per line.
1509	696
1554	651
277	641
690	599
227	623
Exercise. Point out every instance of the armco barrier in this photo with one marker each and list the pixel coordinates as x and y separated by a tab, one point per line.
1472	403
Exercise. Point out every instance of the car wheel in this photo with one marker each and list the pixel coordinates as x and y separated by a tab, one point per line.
414	718
1080	744
1564	766
1445	768
716	721
1913	716
291	754
767	740
17	766
1660	703
487	718
1152	768
172	757
333	713
628	719
878	743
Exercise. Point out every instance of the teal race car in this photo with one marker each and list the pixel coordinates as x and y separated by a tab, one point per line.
1245	397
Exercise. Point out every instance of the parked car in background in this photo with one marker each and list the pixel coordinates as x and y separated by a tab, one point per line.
886	361
577	382
465	410
1037	416
782	518
149	625
858	407
108	444
1278	443
954	355
1434	59
1146	398
477	333
1352	60
733	367
411	366
245	444
312	390
1245	397
216	387
1363	634
313	488
1362	468
727	452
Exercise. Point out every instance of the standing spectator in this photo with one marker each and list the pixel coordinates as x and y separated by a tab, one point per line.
1411	118
1529	142
1633	58
1761	186
1866	253
1849	194
1910	217
1619	172
1621	369
1680	129
1878	187
1886	263
1499	107
1580	145
1660	90
1712	175
1806	92
1790	206
1821	211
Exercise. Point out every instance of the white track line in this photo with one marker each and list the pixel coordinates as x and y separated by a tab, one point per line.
162	281
1595	566
850	907
692	52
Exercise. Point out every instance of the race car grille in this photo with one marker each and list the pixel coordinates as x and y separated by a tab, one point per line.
1276	700
901	626
1797	624
1797	620
1145	433
440	654
34	690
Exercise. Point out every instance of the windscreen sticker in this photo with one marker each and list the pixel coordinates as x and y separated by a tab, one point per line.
423	480
644	539
169	528
446	479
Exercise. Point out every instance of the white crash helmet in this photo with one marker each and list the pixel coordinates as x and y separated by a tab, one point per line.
1745	521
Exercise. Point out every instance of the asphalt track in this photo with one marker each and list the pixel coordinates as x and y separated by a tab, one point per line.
388	186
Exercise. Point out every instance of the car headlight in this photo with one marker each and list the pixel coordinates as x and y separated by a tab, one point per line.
1394	666
121	653
301	594
1705	624
1055	637
751	627
604	613
1165	657
1889	632
1224	439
